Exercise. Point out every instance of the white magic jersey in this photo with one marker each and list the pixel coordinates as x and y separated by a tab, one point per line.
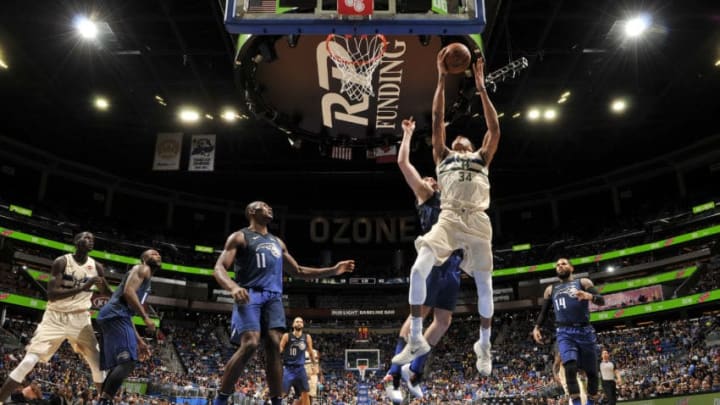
463	181
74	276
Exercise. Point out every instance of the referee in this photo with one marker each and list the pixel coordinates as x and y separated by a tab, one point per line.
609	375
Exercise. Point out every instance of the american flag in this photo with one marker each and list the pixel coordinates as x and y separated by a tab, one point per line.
341	152
260	6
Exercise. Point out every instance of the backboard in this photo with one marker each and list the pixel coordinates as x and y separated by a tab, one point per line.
408	17
362	357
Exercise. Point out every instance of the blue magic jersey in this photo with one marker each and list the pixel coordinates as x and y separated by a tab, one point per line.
259	265
428	212
569	311
117	306
294	354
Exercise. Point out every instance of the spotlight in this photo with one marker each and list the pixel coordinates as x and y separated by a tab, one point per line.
4	65
229	115
610	269
618	106
550	114
516	115
533	114
86	28
189	115
636	26
717	63
101	103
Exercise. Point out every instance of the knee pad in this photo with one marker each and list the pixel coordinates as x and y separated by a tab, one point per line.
25	367
483	284
571	377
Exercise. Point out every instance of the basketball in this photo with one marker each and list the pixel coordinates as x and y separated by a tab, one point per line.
457	59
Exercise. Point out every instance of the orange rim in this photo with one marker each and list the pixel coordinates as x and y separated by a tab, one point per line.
330	38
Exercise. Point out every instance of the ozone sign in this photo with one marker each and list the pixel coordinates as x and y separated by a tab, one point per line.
303	84
363	230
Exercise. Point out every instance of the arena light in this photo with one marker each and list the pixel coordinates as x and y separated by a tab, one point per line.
550	114
86	28
533	114
502	114
101	103
189	115
229	115
717	63
618	106
564	97
610	269
3	64
209	116
636	26
516	115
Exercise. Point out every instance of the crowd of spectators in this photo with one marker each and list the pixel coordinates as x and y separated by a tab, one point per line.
658	359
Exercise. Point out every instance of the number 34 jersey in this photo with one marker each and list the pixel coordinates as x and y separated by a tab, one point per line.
463	181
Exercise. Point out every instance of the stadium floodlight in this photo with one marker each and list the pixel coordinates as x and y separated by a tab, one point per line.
550	114
86	28
189	115
533	114
636	26
101	103
618	106
229	115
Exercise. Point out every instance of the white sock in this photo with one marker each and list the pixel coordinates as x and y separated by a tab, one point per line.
416	327
485	336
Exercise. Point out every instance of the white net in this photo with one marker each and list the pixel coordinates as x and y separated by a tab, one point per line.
357	57
362	370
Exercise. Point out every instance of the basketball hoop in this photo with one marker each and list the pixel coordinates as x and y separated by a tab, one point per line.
357	57
362	369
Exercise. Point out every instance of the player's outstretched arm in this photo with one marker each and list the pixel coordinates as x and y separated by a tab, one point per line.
492	136
291	266
438	111
421	190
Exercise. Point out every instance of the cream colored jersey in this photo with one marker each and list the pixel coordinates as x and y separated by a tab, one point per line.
74	276
463	181
309	369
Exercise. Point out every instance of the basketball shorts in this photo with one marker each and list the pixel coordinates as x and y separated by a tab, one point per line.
443	284
119	342
56	327
313	385
468	230
579	344
263	312
296	377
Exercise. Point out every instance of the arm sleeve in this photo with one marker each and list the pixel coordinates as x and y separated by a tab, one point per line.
597	299
543	313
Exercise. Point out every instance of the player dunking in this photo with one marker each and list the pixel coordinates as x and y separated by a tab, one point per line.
462	173
575	336
259	258
67	315
443	283
293	347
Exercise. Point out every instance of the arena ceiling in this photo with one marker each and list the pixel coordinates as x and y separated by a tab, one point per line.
180	51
